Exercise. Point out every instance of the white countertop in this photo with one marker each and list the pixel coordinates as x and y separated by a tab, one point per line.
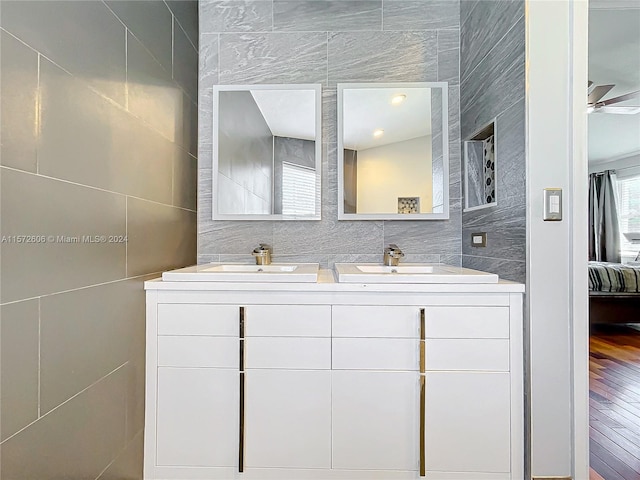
327	282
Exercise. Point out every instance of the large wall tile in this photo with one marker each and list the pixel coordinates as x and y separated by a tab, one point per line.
421	14
19	335
329	115
208	78
33	205
77	440
484	29
236	16
227	237
18	96
88	140
330	42
497	83
365	57
128	464
273	58
439	237
506	230
86	334
329	236
186	12
205	205
152	95
160	237
506	269
448	39
185	180
185	63
208	61
89	39
448	66
510	153
150	21
492	64
327	15
466	9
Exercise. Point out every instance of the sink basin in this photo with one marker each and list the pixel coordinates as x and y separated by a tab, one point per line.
410	273
397	269
275	272
251	268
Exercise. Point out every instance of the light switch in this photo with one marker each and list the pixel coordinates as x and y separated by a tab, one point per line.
552	204
479	239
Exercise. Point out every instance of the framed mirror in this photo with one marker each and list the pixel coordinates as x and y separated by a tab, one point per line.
393	155
267	152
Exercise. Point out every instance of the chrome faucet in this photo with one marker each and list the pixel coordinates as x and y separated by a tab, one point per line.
262	254
392	255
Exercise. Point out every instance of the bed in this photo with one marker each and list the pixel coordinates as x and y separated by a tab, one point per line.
614	293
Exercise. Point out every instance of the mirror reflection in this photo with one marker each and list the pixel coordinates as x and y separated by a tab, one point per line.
393	155
267	152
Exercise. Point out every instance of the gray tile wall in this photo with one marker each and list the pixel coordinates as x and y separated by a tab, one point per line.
328	42
97	137
492	76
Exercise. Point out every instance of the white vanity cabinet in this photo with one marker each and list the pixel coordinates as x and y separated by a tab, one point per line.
287	390
322	381
197	385
469	423
375	387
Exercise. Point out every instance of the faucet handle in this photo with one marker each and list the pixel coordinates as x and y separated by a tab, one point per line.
392	254
262	254
394	250
262	248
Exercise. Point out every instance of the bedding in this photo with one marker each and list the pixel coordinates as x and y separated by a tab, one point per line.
614	277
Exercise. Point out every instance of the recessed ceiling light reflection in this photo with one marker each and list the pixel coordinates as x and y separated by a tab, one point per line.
378	132
398	99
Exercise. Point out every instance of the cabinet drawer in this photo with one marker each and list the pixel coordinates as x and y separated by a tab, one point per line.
184	351
288	321
378	321
288	353
467	354
185	319
375	354
467	322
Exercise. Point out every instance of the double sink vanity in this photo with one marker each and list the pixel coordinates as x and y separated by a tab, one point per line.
365	371
368	371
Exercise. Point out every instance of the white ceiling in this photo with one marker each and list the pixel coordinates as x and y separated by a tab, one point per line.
369	109
614	58
288	113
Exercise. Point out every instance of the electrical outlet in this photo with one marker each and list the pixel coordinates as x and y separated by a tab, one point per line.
479	239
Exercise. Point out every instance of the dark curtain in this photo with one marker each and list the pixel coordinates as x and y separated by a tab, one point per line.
604	231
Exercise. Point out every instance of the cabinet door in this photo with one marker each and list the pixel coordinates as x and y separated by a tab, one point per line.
287	420
197	417
375	420
467	422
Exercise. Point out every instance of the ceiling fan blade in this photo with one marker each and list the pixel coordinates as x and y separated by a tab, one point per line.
598	92
590	87
619	109
622	98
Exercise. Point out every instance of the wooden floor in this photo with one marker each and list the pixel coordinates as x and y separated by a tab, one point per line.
614	400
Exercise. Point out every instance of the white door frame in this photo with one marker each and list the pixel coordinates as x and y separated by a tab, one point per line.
557	295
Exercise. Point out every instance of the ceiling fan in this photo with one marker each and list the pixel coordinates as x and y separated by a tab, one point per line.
596	92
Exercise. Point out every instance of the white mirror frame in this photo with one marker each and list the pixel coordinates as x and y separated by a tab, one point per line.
317	88
445	154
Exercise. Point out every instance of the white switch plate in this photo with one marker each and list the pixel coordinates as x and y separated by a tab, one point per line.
552	205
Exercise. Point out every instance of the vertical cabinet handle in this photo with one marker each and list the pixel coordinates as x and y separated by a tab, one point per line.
241	406
422	390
